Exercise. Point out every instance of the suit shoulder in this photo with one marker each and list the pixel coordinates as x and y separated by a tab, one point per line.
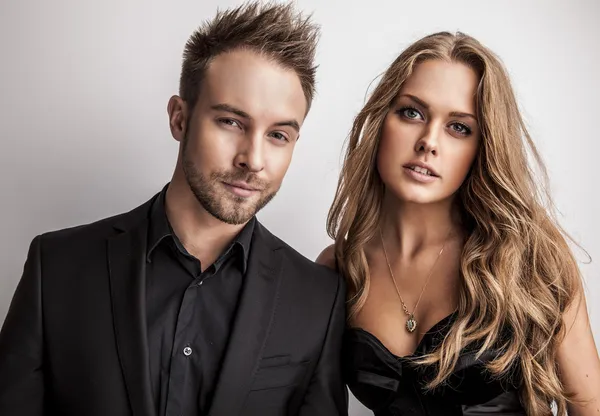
99	228
104	227
308	267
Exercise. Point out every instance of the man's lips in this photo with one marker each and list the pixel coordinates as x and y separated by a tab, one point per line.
241	189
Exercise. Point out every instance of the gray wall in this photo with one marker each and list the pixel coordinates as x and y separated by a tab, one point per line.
84	87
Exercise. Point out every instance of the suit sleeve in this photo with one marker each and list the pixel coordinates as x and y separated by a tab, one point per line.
327	394
21	344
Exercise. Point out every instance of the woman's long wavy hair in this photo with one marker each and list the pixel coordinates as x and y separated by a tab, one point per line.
518	274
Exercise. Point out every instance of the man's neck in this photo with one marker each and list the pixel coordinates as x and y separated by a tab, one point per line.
203	236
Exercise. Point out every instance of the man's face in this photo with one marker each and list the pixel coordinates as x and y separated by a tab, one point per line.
241	133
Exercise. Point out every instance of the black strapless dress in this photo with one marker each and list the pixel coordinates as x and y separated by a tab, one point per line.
393	386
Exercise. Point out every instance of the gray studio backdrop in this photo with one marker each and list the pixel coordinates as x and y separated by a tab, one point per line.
84	87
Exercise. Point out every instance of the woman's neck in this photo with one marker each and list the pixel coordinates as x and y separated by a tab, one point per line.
410	228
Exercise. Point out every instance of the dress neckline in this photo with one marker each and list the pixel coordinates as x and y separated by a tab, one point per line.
422	343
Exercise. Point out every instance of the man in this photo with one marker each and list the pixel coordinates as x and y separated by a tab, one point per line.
187	305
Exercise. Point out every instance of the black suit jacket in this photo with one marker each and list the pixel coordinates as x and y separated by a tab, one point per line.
74	341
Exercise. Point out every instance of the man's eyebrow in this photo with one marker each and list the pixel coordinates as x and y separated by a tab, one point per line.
231	109
292	123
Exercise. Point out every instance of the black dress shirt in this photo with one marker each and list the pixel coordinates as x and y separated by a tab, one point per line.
189	315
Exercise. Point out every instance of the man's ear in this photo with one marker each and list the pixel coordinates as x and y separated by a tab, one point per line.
178	116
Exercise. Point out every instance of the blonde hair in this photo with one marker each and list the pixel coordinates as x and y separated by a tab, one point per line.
518	274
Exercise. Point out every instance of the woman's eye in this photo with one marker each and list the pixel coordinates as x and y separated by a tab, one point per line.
411	113
460	129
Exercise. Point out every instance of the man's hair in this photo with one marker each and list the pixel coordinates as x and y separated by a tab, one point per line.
275	31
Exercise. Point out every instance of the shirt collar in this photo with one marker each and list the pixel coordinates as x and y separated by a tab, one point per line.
160	228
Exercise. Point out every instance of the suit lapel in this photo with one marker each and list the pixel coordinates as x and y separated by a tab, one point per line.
254	316
126	257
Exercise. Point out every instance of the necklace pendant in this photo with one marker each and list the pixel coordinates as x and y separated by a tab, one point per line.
411	324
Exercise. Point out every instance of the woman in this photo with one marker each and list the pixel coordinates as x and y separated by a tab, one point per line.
464	297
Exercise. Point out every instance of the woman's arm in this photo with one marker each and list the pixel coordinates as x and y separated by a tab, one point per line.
578	361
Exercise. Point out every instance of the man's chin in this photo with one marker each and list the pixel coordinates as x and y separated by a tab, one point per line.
232	219
235	213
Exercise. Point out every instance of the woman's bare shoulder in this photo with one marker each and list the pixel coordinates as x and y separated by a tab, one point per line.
327	257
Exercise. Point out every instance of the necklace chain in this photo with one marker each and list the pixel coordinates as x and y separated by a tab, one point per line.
411	323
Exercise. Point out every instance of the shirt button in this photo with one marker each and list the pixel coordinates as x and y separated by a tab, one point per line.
187	351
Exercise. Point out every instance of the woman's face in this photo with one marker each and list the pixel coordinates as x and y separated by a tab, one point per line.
430	135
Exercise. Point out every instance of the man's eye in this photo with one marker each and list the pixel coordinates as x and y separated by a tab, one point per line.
279	136
229	122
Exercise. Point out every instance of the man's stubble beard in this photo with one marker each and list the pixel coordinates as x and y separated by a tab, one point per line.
229	209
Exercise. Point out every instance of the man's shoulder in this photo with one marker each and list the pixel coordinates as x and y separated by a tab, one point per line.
303	265
98	229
